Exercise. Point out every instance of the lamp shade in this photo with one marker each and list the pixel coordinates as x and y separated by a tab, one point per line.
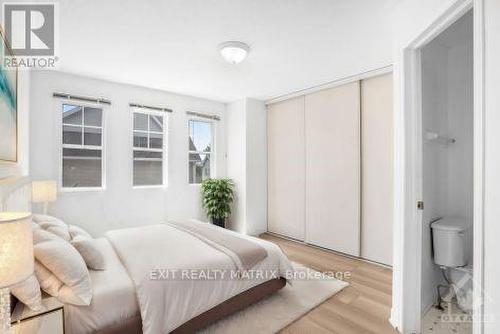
44	191
16	248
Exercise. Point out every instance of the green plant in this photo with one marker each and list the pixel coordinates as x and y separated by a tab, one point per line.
217	197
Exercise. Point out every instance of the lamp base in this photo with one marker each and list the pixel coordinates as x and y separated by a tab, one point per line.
4	311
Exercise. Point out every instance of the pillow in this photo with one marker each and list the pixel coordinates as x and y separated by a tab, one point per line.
61	232
39	219
48	281
59	228
76	231
91	254
85	245
28	292
66	264
40	235
53	225
54	287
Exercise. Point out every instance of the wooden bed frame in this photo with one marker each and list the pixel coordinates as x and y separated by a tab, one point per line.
228	307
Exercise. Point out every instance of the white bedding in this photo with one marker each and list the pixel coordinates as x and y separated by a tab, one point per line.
165	305
114	298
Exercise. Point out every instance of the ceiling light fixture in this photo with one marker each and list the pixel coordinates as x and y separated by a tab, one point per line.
234	52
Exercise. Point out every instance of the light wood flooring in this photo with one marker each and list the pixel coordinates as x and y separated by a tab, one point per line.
363	307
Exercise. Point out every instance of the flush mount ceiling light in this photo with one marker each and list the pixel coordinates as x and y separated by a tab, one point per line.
234	52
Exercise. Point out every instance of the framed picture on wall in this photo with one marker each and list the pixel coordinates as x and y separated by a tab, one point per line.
8	105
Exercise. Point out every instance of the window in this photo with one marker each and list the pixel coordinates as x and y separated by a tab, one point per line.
200	150
148	149
82	148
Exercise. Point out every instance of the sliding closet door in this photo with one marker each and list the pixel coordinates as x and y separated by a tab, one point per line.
377	168
333	168
286	172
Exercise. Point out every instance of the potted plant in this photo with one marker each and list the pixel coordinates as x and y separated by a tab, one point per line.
217	198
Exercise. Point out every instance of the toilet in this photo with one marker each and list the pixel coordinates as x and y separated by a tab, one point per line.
448	237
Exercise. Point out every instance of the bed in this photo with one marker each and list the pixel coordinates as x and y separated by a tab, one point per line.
127	300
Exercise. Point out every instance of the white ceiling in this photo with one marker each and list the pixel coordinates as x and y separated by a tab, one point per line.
172	45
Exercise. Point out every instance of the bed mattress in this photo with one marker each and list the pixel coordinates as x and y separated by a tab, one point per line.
115	298
168	303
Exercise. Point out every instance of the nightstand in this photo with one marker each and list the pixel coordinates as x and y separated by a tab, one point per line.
49	320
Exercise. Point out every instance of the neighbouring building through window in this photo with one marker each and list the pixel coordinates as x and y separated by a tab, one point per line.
148	149
200	150
82	146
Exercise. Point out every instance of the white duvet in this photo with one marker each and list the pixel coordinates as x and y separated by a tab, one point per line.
113	302
166	304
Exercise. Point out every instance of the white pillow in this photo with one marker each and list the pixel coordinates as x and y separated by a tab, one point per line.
53	225
59	228
76	231
40	235
64	262
39	219
91	254
85	245
48	281
28	292
60	231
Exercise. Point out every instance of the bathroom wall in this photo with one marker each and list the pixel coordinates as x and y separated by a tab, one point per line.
447	168
434	94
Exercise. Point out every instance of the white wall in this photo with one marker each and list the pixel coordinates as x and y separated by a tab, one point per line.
492	165
23	113
460	104
236	162
256	166
410	18
247	164
119	205
447	110
434	119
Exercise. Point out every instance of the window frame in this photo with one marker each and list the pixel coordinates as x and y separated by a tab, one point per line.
212	150
163	150
62	146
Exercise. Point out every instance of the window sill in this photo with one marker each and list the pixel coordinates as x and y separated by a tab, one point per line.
81	190
161	186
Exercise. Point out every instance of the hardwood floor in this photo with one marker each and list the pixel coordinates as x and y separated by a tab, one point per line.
363	307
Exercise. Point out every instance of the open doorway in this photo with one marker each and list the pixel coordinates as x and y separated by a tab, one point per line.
447	123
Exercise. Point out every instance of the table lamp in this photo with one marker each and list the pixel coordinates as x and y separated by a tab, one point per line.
44	192
16	258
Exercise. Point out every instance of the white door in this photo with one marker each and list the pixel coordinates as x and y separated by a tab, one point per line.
376	169
286	172
333	168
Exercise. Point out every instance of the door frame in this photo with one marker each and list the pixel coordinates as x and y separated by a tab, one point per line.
410	245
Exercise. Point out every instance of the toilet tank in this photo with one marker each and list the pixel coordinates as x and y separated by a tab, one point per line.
448	237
